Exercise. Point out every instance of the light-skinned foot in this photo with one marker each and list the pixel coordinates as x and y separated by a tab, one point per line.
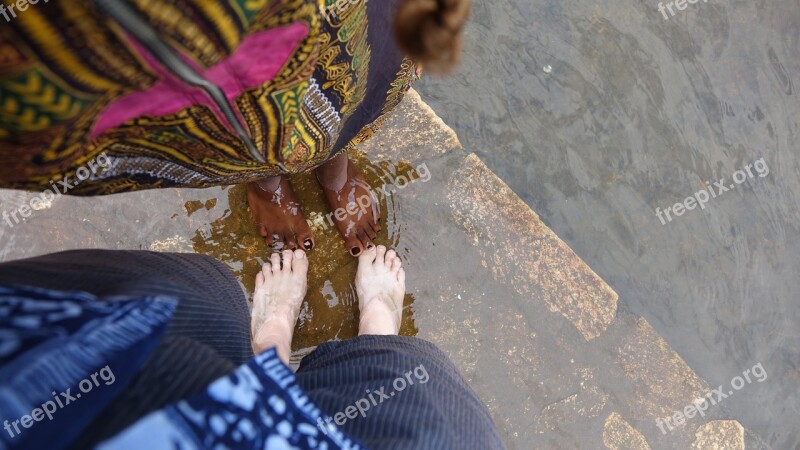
280	289
381	286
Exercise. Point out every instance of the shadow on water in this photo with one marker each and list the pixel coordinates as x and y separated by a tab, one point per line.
330	310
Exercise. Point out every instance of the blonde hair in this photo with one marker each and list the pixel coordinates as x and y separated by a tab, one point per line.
432	31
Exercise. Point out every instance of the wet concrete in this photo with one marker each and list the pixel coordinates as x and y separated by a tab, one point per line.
597	113
534	329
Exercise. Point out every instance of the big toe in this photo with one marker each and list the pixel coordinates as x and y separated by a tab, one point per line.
367	257
354	246
300	262
304	236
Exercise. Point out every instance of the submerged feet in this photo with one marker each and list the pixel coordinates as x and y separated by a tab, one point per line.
354	208
381	286
352	202
280	289
278	214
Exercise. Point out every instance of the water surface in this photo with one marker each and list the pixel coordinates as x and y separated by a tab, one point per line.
597	113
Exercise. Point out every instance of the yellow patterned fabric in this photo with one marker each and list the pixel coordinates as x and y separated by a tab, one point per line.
306	79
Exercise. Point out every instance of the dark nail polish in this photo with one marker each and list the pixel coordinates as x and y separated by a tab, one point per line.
308	244
354	251
370	246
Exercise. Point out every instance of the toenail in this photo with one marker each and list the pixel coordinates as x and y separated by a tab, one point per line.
370	246
354	251
308	244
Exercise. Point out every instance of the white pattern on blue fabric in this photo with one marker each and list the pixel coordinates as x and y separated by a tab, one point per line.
259	406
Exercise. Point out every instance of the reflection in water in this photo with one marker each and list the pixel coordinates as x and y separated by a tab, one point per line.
331	307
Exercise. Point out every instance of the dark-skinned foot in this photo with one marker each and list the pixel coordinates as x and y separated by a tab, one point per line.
278	214
354	205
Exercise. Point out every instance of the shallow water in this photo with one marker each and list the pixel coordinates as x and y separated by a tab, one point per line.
596	114
599	113
331	307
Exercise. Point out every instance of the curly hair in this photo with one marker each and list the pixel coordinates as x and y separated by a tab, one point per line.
432	31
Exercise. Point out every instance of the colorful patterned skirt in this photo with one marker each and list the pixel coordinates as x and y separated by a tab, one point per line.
190	93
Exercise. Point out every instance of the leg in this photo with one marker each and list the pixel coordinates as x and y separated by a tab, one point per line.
207	337
444	413
280	289
350	198
212	310
178	369
278	214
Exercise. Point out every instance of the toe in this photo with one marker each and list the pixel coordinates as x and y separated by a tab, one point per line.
286	260
375	228
390	256
305	239
368	256
269	238
370	233
259	280
300	262
277	241
366	241
381	253
377	213
354	246
396	264
291	240
286	240
275	260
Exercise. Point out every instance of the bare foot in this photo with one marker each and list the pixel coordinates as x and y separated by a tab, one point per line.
381	286
278	214
354	205
280	289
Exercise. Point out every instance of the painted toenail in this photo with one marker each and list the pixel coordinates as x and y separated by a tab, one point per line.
370	247
308	244
354	251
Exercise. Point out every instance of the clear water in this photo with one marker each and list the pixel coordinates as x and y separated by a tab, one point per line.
597	113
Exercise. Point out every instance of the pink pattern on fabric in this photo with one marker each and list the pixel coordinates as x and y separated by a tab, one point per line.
257	60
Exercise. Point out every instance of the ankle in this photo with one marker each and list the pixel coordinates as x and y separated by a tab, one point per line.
274	334
332	175
269	185
378	318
